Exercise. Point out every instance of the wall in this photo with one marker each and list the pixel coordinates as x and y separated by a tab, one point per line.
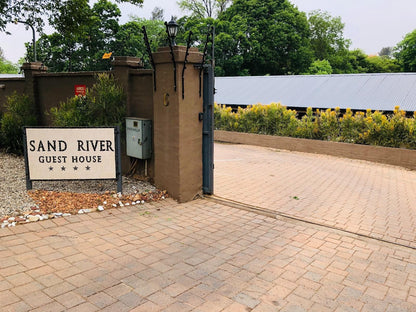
54	88
176	163
49	89
386	155
9	85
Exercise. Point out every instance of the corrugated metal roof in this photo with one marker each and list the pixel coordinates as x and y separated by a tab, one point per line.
11	76
355	91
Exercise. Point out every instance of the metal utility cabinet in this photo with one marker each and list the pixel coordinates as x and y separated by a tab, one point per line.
139	137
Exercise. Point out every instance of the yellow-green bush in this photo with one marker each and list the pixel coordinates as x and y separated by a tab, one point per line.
370	127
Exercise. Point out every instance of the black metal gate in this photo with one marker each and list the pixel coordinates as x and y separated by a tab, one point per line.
208	131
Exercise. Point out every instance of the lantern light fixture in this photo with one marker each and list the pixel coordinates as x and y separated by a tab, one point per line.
172	27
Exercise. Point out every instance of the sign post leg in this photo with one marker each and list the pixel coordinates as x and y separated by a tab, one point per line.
118	160
28	181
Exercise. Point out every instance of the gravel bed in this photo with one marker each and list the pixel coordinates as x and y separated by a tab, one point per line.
14	198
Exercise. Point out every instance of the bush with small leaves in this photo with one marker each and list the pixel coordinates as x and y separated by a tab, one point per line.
18	114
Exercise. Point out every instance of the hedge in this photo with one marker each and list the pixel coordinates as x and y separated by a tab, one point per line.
370	127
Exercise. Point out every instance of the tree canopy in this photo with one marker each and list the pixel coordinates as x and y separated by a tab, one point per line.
204	8
253	37
327	35
257	37
81	43
35	12
406	52
6	67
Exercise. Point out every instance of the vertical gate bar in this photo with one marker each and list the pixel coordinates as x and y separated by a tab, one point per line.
208	131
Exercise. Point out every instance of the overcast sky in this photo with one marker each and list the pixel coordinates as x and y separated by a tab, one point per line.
370	24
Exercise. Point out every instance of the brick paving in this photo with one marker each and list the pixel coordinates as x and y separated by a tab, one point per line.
362	197
200	256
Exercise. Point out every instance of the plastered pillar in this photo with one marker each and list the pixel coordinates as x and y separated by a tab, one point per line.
31	88
177	129
121	69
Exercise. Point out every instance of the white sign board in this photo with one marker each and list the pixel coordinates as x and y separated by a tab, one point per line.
71	153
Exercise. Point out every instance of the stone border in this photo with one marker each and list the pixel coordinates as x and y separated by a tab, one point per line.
386	155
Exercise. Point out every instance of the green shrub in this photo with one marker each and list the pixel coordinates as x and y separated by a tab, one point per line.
371	128
19	113
103	105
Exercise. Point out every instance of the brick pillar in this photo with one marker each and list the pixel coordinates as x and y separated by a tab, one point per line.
31	87
121	69
177	129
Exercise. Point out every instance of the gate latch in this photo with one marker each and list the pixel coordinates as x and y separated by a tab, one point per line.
201	116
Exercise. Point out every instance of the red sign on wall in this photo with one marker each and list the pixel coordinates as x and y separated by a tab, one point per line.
80	90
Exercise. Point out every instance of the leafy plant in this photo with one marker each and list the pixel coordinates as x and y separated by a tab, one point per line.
371	128
103	105
19	113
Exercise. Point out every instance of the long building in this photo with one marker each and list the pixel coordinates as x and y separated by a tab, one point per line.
356	91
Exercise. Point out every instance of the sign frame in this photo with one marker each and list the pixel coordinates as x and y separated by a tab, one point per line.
117	157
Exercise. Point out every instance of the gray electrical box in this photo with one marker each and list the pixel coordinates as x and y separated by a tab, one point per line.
139	137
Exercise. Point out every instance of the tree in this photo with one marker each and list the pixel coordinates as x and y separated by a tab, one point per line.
7	67
406	52
83	37
129	39
382	64
320	68
327	38
386	52
35	12
261	37
157	14
204	8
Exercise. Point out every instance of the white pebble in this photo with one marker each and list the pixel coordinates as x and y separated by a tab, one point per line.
100	208
142	201
133	203
163	197
33	218
66	215
81	211
127	204
114	205
105	202
11	219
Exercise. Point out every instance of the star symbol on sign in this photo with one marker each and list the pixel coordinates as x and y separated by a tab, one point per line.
63	168
50	168
75	168
88	168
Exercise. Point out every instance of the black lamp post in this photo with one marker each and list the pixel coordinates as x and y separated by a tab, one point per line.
172	28
33	33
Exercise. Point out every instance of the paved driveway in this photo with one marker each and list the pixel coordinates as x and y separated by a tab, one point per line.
362	197
208	256
199	256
